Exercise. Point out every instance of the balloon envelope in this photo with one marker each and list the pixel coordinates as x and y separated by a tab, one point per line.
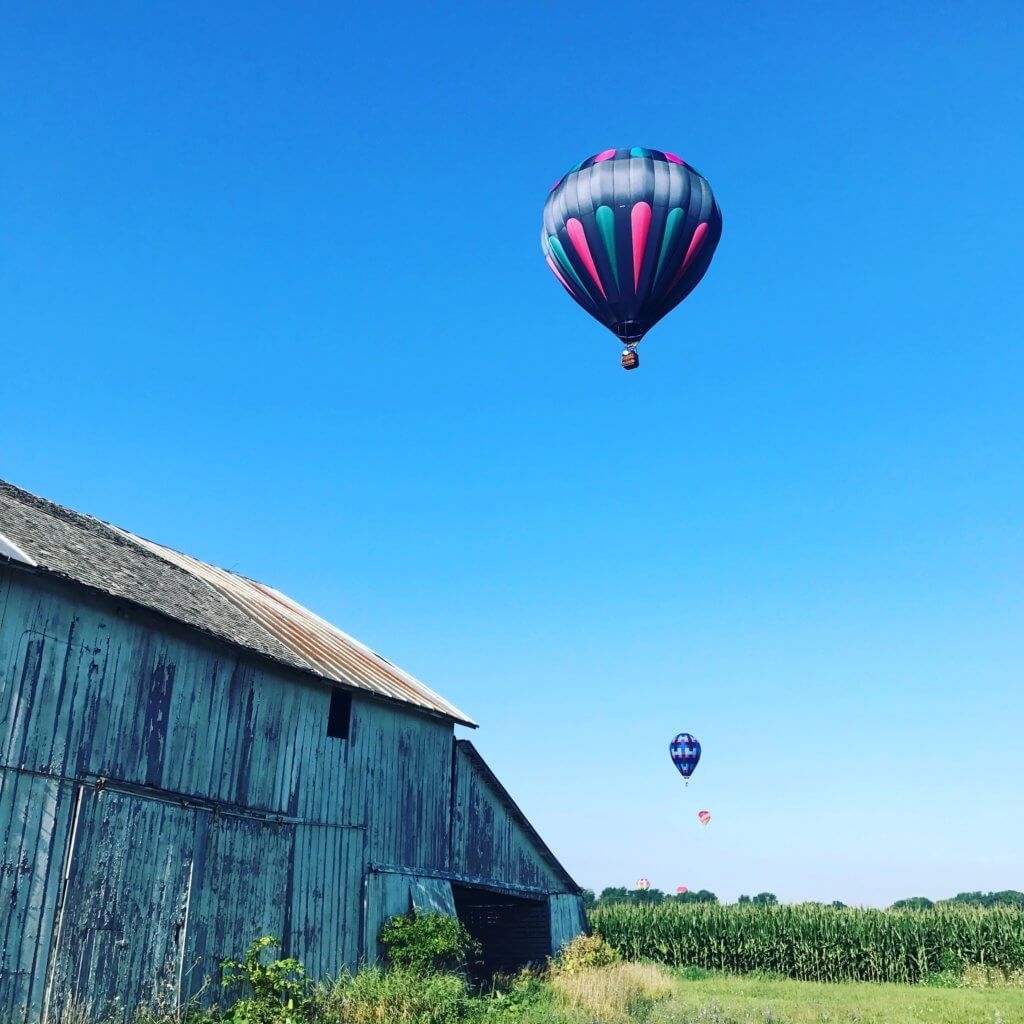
704	816
685	753
643	883
629	233
681	889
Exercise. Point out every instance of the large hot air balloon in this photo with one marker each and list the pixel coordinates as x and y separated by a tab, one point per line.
643	883
685	752
629	233
704	817
681	889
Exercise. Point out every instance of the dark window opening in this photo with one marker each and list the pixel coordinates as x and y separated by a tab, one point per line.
513	931
339	714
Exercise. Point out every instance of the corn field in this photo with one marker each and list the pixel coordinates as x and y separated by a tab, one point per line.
817	943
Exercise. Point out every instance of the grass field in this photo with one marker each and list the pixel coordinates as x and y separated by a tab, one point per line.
965	967
650	994
619	993
721	998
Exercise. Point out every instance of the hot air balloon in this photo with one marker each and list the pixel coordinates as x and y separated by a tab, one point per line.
629	233
681	889
704	817
685	752
643	883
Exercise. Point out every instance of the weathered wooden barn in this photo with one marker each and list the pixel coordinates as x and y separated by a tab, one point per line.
190	760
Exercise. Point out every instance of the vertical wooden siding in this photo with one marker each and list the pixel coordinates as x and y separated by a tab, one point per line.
487	841
260	845
400	766
568	919
92	693
327	898
35	818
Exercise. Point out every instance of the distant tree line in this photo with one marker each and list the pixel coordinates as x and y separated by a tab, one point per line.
620	894
612	895
1005	898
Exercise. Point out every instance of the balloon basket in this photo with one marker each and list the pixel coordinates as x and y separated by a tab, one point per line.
630	359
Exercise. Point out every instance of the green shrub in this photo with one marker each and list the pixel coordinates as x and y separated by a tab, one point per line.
428	942
274	993
583	953
523	998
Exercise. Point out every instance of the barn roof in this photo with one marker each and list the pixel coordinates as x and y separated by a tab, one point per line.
57	540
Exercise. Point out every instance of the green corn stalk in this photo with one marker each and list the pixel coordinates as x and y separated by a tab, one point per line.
817	943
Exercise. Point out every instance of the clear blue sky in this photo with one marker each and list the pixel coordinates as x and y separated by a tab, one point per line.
273	294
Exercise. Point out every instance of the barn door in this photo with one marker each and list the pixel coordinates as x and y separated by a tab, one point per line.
35	819
240	885
120	931
327	898
513	931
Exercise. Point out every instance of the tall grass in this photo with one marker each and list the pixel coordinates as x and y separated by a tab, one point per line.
817	943
398	996
619	991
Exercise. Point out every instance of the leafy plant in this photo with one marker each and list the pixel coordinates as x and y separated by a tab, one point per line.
428	942
519	999
584	953
277	991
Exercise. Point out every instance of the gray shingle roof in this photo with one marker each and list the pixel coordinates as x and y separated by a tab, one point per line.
230	607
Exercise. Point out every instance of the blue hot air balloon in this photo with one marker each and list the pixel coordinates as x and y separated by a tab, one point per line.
685	752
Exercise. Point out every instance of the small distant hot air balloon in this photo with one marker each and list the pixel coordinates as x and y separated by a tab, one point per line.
643	883
681	889
629	233
704	817
685	753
